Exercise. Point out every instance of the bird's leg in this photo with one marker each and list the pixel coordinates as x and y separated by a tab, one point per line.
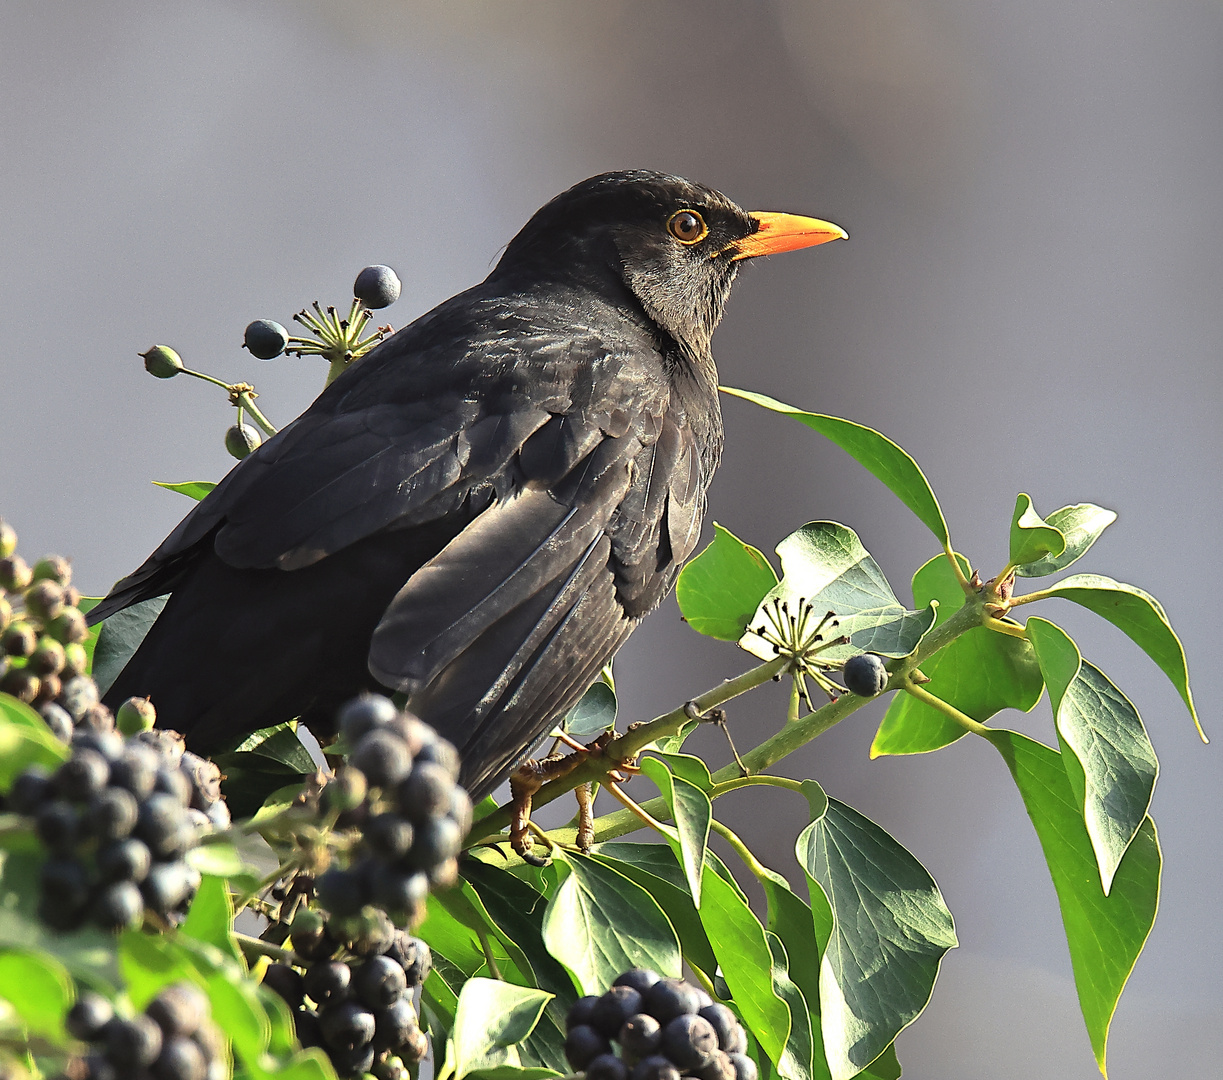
586	817
527	779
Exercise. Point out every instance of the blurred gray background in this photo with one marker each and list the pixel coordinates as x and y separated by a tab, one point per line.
1030	301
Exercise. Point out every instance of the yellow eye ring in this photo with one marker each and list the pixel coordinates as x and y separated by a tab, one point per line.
687	226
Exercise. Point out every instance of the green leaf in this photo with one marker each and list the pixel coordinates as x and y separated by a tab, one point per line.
1105	933
797	1058
600	924
876	452
120	636
240	1014
826	568
1081	526
1032	537
980	673
218	860
891	931
593	714
884	1067
719	590
691	811
263	763
211	916
1111	764
790	919
746	961
1138	615
670	892
193	489
25	740
491	1018
39	990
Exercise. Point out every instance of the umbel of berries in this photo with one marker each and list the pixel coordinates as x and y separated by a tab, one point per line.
173	1039
359	1010
649	1028
400	788
117	821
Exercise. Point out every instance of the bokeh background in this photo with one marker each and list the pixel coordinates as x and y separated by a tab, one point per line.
1030	301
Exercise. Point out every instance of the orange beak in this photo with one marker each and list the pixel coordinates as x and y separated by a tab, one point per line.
785	232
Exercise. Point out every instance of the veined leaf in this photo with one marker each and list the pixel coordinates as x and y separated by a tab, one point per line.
120	636
1138	615
491	1019
593	714
193	489
1081	525
691	811
1032	537
1109	760
980	673
211	917
826	568
25	740
869	448
721	588
1105	933
891	930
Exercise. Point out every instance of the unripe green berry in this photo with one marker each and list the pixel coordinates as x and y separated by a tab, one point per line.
15	573
162	362
241	440
136	714
53	568
8	539
68	627
76	660
44	600
347	791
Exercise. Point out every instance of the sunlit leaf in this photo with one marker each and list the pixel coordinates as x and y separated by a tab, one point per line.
1081	526
193	489
25	740
721	588
211	915
1032	537
39	989
869	448
491	1019
691	811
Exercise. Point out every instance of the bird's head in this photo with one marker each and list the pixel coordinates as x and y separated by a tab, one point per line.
676	245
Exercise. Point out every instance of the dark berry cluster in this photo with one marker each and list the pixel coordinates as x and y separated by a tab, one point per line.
118	819
42	635
173	1039
400	790
355	1000
663	1028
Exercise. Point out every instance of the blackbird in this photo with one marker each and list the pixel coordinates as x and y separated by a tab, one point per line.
480	510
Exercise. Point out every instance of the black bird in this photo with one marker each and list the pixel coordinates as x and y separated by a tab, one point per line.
480	510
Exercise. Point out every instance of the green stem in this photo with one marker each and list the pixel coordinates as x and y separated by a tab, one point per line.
756	781
949	551
206	378
792	711
489	958
1003	627
1027	598
950	711
246	402
253	947
741	849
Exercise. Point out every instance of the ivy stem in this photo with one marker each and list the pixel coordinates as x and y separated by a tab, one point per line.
756	781
253	946
247	402
1027	598
207	378
950	711
759	871
949	551
1003	627
489	959
634	808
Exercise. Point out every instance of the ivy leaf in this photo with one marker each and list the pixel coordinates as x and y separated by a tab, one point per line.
1032	537
1138	615
120	636
1081	525
1105	933
38	989
719	590
691	811
491	1018
193	489
798	1057
25	740
211	916
600	924
884	1067
826	568
593	714
746	961
891	930
1111	764
876	452
980	673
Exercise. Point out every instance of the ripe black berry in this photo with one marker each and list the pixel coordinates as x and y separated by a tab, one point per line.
29	790
169	884
136	770
179	1010
689	1041
180	1059
614	1008
583	1044
118	906
640	1036
607	1067
389	835
394	1025
87	1018
436	841
111	815
352	1062
57	720
133	1044
377	286
425	792
347	1026
731	1036
363	713
341	892
865	675
745	1067
265	339
286	982
669	998
655	1067
640	979
124	860
383	757
327	980
162	824
581	1011
719	1067
58	825
379	982
414	956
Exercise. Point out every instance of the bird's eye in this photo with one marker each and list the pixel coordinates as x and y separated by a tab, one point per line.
687	226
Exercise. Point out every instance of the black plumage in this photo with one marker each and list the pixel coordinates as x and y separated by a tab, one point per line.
482	509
